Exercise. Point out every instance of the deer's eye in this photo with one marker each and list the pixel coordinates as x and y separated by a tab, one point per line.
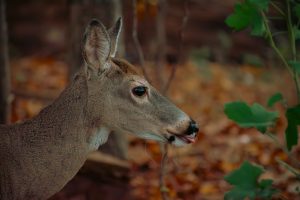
139	91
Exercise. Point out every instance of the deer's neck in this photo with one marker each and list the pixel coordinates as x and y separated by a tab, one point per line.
64	121
69	120
52	147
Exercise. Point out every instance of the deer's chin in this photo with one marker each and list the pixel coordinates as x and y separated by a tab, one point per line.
182	140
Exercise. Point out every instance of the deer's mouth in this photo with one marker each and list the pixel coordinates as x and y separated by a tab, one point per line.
180	139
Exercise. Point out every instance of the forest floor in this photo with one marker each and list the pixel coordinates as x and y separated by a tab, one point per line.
195	171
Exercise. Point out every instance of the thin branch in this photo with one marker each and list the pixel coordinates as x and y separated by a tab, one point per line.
290	168
136	40
291	30
293	46
276	141
284	149
273	45
180	46
277	8
164	191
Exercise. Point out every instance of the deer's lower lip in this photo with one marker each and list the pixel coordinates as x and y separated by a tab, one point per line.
186	138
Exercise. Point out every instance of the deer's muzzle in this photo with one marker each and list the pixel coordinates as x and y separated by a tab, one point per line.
187	137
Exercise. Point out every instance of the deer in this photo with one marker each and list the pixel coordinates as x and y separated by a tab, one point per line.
40	155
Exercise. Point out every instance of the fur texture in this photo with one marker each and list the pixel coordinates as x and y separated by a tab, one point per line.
39	156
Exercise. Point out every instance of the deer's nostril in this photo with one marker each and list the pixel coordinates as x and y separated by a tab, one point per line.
193	128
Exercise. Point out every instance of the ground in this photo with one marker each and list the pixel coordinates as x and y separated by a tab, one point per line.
195	171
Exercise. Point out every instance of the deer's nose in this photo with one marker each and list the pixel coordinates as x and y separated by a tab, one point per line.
193	128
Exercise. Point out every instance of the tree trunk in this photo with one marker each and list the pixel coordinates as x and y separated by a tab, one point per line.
4	68
161	41
81	12
75	36
117	144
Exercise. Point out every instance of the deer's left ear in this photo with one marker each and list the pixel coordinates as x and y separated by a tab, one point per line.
114	33
96	46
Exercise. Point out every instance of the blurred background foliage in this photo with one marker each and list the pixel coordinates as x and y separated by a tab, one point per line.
212	65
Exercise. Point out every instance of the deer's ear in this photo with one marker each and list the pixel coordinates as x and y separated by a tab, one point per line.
96	45
114	33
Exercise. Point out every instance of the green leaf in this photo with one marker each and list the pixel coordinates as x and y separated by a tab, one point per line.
291	132
265	183
297	10
250	116
245	183
260	4
266	191
257	26
295	65
238	193
274	99
240	19
246	176
248	14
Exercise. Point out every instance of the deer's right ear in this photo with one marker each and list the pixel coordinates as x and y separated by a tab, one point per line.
114	33
96	46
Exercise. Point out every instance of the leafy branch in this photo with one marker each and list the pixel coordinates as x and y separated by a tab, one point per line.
253	14
246	185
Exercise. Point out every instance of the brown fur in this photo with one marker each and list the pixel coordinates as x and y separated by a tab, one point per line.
126	67
39	156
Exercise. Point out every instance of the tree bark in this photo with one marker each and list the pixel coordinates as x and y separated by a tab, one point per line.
81	12
4	68
75	35
117	144
161	41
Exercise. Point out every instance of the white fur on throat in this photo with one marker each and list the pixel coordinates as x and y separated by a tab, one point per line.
99	138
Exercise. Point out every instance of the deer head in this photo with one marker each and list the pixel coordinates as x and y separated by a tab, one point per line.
121	100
